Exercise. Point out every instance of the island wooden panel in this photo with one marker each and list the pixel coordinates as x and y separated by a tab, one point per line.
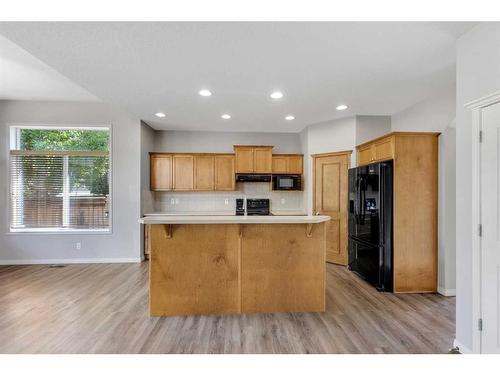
194	269
236	268
282	268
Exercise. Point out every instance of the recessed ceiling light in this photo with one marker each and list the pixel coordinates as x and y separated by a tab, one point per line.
341	107
225	116
205	92
289	118
160	114
276	95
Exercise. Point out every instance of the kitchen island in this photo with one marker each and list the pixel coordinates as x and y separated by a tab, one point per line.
235	264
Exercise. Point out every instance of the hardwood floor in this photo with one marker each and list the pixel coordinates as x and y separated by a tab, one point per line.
102	308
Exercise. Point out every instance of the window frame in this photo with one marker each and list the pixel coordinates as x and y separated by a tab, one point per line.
40	231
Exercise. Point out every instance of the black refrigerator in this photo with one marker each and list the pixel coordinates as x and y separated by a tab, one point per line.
370	223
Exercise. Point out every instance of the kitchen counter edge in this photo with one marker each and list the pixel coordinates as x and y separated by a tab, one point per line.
217	219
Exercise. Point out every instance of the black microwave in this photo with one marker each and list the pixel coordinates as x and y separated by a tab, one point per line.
287	182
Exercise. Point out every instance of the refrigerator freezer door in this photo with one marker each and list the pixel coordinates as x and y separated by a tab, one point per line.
365	260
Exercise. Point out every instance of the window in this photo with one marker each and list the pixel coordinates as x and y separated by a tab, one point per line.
59	179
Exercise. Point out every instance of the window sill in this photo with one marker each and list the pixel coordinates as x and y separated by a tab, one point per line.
53	231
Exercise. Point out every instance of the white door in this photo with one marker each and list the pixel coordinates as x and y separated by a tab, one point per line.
490	219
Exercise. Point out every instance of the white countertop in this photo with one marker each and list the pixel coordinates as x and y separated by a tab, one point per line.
232	219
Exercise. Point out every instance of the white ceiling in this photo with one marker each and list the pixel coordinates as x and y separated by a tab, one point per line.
375	68
24	77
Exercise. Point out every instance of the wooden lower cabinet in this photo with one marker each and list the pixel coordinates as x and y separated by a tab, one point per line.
236	268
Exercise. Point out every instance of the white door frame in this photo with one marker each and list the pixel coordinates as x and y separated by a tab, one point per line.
476	107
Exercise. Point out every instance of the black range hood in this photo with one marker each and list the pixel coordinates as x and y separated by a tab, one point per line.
244	177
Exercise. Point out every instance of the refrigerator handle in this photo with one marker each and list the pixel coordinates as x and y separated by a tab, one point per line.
356	202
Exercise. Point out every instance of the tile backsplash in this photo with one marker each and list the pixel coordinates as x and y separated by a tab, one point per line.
225	202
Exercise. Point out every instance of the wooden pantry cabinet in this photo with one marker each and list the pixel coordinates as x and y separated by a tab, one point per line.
287	163
253	159
415	205
192	172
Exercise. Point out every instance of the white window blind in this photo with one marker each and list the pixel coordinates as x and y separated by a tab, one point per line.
59	179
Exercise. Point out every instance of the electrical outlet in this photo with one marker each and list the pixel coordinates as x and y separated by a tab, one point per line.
226	201
282	200
78	245
172	201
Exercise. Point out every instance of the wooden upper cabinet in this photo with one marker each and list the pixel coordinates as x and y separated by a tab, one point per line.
287	163
253	159
263	157
204	172
244	159
295	164
384	149
160	172
280	164
183	168
365	155
378	150
224	172
192	172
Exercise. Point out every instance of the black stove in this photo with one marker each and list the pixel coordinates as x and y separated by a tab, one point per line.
258	207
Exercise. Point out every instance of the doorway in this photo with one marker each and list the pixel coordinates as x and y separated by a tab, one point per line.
489	229
330	198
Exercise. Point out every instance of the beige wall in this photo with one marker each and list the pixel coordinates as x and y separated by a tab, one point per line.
437	114
123	244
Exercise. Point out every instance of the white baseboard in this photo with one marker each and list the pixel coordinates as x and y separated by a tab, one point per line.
447	292
10	262
462	348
